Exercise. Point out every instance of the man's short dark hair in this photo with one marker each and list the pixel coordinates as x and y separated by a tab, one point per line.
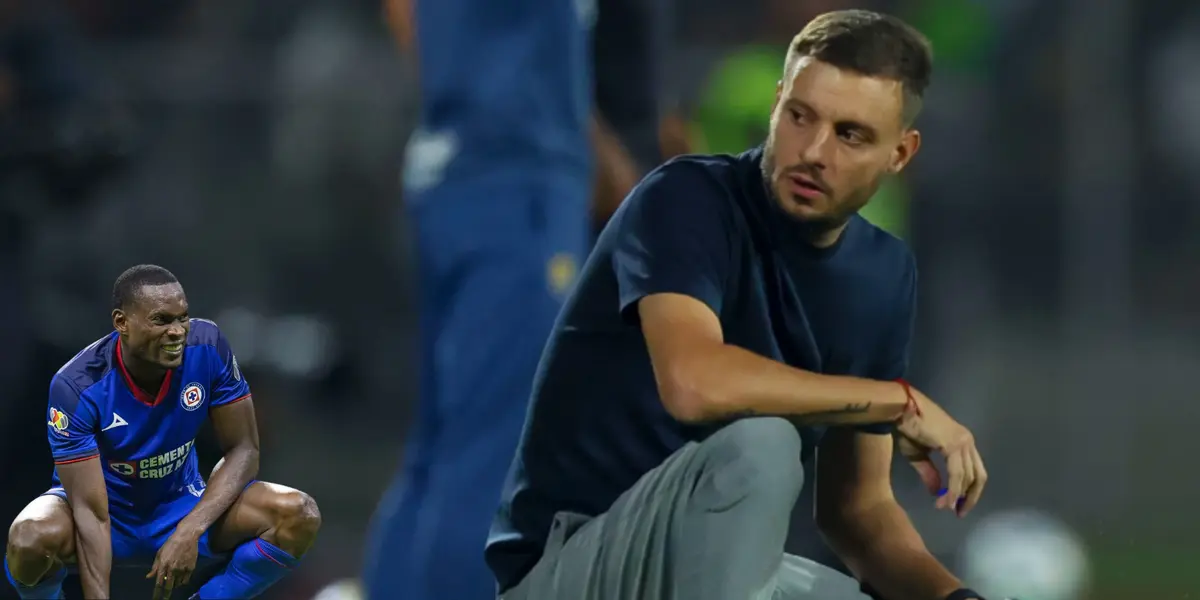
870	44
132	281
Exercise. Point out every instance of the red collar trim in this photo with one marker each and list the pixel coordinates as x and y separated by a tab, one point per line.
138	392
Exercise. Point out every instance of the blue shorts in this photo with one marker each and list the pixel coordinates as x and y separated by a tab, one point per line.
136	538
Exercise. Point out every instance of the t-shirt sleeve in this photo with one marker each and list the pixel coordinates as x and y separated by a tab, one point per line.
674	236
70	423
228	385
893	359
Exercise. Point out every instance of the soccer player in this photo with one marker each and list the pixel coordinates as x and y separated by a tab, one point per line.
122	419
735	315
498	181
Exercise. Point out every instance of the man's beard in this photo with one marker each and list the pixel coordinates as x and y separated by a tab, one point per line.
815	227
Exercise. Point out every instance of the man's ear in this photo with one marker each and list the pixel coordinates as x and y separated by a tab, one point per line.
903	153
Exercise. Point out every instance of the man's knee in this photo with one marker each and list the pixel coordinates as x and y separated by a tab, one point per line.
296	516
33	546
759	456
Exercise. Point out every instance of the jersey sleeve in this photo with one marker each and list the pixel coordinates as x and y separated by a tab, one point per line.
893	359
673	236
71	424
228	385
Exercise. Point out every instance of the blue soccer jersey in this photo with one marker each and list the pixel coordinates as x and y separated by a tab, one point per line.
505	87
144	442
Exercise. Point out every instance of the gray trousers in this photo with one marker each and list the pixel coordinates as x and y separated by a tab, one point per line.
707	524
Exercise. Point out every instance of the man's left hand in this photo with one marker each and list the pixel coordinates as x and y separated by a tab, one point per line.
936	431
174	563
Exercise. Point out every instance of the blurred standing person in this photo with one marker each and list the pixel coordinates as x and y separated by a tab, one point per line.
498	177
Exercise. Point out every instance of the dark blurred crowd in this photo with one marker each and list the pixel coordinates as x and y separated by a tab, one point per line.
60	142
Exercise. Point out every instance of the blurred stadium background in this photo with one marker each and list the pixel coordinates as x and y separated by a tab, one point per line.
254	149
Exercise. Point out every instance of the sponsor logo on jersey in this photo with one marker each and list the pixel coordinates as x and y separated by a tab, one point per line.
123	468
162	465
58	422
192	396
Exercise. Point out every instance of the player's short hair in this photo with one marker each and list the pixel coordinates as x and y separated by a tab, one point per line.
129	283
870	44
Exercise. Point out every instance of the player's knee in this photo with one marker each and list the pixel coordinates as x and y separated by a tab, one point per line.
759	456
37	537
32	545
297	515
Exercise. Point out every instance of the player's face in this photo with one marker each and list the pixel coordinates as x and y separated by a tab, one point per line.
155	328
834	135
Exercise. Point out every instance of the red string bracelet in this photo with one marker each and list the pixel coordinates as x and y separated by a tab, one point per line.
911	405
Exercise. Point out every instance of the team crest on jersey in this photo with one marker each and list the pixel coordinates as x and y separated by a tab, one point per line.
192	396
58	422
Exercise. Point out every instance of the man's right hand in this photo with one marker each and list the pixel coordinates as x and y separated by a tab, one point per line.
933	430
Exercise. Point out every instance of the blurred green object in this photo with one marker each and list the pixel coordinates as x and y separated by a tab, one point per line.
960	31
734	114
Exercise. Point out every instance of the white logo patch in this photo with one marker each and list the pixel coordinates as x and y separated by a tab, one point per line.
117	422
196	489
192	396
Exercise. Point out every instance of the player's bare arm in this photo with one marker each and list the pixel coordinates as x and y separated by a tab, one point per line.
701	378
857	513
237	435
84	483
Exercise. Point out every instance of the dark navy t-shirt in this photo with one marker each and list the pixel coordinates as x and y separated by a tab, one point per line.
703	226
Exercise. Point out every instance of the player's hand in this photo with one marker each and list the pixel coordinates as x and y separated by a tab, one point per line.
174	563
935	431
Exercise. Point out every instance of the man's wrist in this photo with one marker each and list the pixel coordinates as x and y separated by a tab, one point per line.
189	530
912	408
895	400
888	399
